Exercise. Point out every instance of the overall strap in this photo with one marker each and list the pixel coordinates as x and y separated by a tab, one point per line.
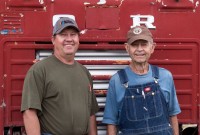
123	77
155	71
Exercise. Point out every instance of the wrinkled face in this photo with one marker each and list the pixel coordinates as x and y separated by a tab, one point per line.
140	51
66	42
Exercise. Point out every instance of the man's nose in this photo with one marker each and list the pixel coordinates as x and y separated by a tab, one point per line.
139	46
68	37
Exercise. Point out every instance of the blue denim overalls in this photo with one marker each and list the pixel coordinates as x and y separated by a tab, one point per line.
144	109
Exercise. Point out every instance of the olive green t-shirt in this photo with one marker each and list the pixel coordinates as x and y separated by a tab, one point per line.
62	94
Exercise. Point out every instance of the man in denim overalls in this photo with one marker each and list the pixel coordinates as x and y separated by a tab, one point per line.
141	98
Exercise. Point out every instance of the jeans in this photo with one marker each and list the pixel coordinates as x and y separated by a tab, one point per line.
144	110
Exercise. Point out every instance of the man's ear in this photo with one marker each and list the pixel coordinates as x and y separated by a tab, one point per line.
126	47
153	47
53	39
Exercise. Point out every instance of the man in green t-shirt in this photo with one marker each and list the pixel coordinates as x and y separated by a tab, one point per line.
57	96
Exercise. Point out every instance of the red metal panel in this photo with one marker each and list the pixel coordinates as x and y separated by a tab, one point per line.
26	3
27	22
102	18
1	90
12	23
170	55
178	4
15	72
181	58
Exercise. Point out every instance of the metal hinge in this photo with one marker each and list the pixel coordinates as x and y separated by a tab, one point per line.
3	105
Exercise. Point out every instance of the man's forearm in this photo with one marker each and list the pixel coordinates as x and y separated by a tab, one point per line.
174	124
111	129
31	122
93	125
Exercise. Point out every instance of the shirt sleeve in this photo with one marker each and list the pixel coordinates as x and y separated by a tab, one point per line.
94	108
111	110
94	105
174	107
32	91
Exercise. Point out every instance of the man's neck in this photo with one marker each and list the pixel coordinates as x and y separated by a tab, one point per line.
139	68
69	60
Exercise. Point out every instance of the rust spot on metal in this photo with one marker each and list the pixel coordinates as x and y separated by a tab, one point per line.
83	31
41	1
101	2
158	1
196	4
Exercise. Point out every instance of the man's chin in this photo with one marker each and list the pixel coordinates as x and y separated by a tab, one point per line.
69	53
141	61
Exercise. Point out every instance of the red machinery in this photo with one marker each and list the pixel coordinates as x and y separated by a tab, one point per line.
25	37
